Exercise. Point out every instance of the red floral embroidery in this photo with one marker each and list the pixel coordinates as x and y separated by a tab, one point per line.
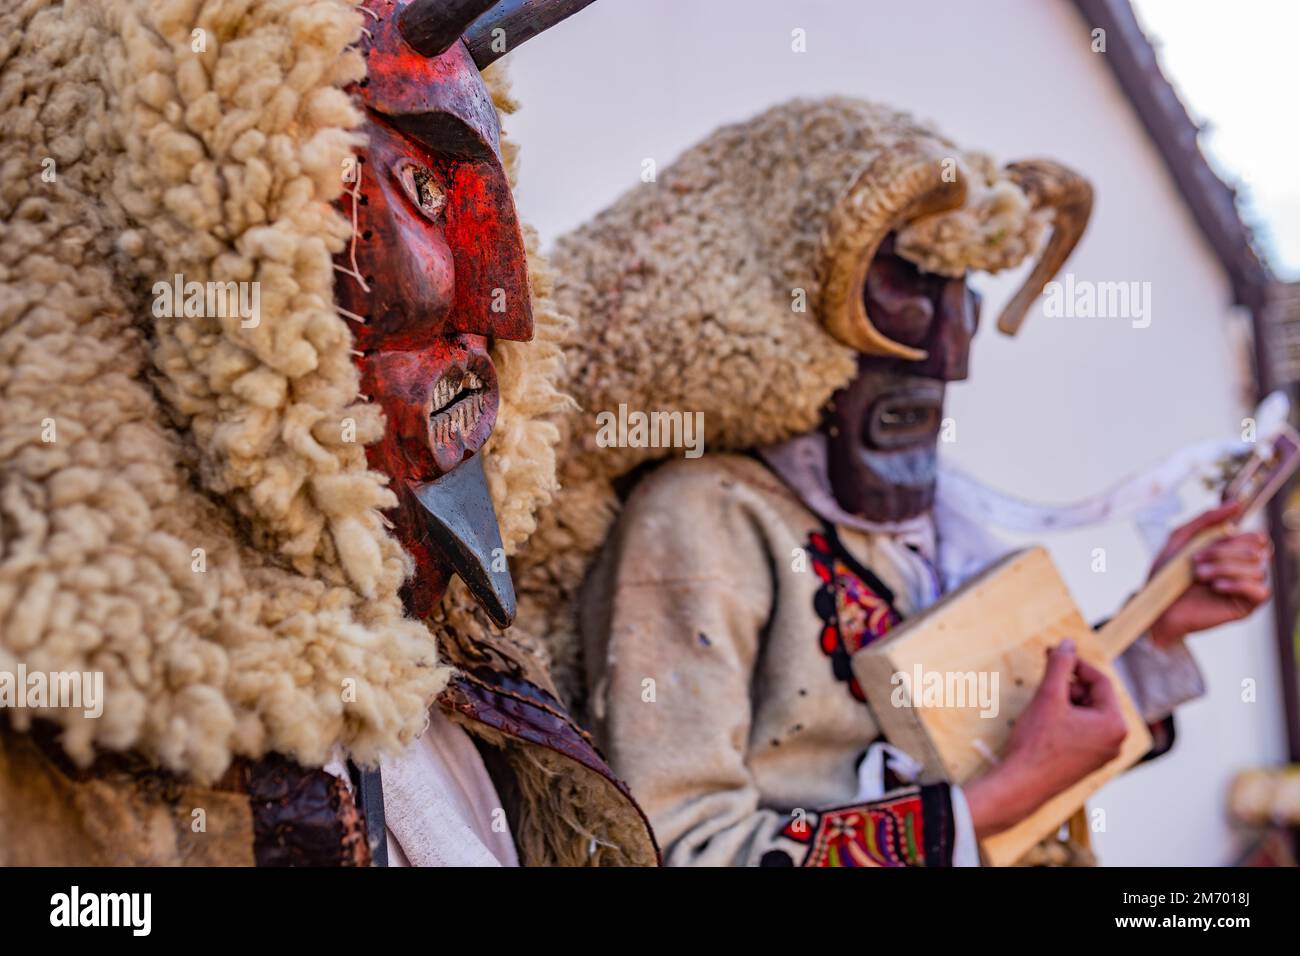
883	834
853	614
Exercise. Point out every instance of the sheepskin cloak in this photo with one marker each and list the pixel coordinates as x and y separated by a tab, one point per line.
185	503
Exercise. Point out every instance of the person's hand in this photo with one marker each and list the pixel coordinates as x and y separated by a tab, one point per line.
1231	578
1072	726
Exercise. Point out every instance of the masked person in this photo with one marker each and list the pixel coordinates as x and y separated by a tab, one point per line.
800	281
266	310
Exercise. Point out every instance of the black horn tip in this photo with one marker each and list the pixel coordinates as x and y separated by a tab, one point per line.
432	26
513	22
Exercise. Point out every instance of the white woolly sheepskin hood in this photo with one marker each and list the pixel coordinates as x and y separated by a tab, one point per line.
699	293
179	508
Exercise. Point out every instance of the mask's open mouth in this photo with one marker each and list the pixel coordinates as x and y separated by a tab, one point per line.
459	522
461	408
457	405
908	415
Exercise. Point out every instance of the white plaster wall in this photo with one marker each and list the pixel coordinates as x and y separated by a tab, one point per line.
1071	405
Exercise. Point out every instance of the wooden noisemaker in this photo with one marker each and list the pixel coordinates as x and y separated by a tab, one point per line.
1002	623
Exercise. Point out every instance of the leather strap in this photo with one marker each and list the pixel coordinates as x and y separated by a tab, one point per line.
369	788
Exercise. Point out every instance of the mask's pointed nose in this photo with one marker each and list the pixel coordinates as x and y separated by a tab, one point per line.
461	521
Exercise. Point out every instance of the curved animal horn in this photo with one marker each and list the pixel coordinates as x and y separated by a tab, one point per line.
899	186
431	26
517	21
1048	185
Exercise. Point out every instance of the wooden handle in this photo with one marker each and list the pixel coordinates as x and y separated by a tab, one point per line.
1166	585
1263	476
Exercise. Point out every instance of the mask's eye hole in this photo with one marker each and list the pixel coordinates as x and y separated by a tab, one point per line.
421	188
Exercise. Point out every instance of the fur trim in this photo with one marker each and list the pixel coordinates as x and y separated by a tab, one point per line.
179	508
996	229
562	818
520	454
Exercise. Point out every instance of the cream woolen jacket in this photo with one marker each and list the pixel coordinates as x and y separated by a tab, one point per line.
717	630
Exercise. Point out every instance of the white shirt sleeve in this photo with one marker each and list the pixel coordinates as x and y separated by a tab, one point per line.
965	848
1159	679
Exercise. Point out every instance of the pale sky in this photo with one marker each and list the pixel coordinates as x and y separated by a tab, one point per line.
1236	65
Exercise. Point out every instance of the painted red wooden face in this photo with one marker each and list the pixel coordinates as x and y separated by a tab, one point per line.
435	271
438	235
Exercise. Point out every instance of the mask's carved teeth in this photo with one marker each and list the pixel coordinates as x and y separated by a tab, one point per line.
447	388
458	404
460	419
905	417
906	414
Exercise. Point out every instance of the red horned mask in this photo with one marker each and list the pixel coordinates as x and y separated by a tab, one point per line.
434	273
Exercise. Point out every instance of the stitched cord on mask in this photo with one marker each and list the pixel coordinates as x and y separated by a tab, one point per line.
355	271
364	9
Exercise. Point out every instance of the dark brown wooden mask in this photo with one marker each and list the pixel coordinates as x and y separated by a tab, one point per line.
434	273
883	427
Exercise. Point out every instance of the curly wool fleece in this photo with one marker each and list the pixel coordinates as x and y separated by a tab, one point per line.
699	292
179	507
